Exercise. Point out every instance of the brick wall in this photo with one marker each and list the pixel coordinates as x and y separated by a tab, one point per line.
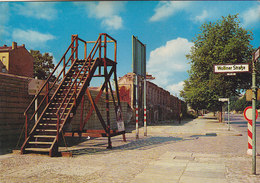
14	99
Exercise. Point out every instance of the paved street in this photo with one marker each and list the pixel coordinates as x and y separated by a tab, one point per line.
199	150
239	123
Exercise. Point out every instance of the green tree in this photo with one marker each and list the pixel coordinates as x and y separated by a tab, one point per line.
239	104
220	42
43	64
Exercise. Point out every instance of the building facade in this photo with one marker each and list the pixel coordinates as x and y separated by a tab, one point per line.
16	60
160	104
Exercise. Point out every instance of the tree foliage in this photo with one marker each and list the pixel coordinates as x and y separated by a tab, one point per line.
239	104
43	64
220	42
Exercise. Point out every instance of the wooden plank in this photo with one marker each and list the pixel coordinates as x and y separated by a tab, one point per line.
38	149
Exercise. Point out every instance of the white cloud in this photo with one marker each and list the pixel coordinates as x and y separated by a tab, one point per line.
251	16
201	18
107	12
114	22
4	13
55	62
31	38
169	60
4	18
39	10
175	88
167	9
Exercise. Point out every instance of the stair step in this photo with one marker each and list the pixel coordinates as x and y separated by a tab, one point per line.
45	136
48	124
38	149
66	89
51	119
73	77
67	92
60	98
55	108
46	130
63	104
56	103
33	142
51	113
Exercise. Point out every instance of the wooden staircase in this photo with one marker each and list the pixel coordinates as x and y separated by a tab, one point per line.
58	107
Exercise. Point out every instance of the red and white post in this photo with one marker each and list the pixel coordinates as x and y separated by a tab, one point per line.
145	125
250	135
136	107
249	117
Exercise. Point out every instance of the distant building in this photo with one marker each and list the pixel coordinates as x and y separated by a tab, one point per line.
161	105
16	60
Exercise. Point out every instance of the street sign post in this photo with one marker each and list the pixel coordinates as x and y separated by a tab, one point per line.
226	100
242	68
139	68
254	90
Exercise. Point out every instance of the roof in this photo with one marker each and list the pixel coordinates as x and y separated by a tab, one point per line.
7	48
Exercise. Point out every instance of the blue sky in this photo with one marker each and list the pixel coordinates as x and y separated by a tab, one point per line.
167	29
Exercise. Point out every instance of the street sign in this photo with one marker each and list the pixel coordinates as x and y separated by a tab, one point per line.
249	95
257	53
231	74
248	113
231	68
139	57
223	99
34	87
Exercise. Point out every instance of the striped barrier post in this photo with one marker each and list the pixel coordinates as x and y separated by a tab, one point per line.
145	125
136	107
250	135
249	117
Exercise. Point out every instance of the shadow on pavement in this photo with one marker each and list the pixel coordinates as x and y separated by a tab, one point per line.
141	144
206	135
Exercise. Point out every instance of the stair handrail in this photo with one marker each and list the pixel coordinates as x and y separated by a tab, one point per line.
47	81
95	47
51	86
49	77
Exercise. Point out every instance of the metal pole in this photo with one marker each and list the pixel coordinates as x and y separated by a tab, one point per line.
228	116
136	107
36	104
253	116
145	126
223	113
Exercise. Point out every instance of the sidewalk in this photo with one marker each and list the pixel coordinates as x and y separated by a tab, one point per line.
198	167
184	167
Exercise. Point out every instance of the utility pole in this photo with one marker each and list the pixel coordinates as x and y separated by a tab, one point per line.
254	95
